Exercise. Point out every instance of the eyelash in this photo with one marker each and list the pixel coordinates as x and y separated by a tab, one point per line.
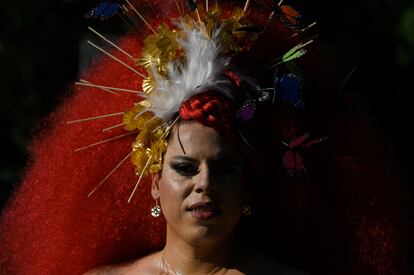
185	169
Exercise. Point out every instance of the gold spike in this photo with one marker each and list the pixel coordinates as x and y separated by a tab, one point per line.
198	15
280	3
175	121
178	8
149	120
139	179
269	19
110	88
116	59
310	26
104	141
94	118
206	5
305	44
159	127
110	42
196	10
130	18
169	128
140	16
345	81
103	89
304	29
140	113
246	6
113	127
110	174
182	5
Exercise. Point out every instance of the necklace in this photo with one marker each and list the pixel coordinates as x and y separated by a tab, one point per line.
166	267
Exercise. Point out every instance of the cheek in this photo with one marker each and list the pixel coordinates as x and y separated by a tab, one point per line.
173	191
235	192
236	185
170	201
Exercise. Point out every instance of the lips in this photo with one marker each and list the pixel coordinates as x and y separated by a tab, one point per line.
203	210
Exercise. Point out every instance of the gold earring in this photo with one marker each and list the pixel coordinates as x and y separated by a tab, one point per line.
246	210
156	210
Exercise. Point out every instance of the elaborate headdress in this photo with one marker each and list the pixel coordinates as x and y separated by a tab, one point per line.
190	54
245	66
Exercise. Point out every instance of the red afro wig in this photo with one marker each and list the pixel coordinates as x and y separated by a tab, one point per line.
343	217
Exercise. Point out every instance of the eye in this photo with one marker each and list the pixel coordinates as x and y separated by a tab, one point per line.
226	168
185	169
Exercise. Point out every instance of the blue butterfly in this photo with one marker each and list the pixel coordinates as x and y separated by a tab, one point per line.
289	89
104	10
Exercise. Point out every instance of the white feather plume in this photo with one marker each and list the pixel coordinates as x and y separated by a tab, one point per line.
202	70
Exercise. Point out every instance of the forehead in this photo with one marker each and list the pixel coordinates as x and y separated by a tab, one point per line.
199	141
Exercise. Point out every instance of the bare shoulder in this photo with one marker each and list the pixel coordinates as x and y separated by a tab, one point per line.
254	262
146	265
116	269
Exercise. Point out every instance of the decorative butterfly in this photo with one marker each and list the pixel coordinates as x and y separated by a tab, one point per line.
288	88
104	10
292	160
248	108
246	111
289	16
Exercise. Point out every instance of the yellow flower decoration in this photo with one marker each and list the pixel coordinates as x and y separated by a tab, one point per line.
159	49
148	150
148	84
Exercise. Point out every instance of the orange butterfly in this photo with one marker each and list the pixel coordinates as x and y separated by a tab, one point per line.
289	16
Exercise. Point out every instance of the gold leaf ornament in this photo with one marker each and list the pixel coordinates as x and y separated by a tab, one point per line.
159	49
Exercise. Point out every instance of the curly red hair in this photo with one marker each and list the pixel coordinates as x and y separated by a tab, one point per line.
344	217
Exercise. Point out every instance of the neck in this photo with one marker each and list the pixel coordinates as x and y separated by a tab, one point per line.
189	258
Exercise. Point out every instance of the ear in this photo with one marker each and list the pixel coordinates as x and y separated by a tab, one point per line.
155	188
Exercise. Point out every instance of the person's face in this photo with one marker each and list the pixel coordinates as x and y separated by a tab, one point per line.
202	185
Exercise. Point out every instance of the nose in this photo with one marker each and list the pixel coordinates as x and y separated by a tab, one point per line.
203	182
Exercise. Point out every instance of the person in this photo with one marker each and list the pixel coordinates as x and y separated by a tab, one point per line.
239	156
201	191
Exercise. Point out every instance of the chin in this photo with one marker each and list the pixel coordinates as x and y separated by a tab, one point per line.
206	240
203	231
207	234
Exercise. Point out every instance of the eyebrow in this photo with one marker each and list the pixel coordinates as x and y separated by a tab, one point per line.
224	158
183	158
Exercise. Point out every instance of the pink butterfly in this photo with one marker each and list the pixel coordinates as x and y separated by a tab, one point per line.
292	159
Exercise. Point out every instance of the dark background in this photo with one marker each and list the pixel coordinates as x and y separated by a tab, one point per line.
40	49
